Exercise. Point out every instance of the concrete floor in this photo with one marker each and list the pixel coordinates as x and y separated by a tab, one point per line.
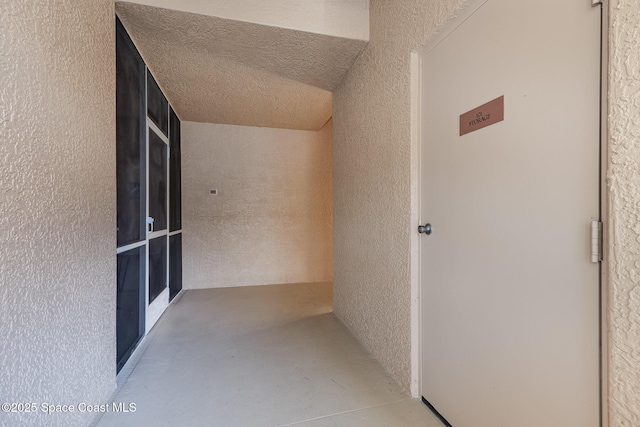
260	356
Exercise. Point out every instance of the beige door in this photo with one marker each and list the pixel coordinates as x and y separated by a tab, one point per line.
509	294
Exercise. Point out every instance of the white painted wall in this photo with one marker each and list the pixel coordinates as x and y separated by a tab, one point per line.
57	207
340	18
271	221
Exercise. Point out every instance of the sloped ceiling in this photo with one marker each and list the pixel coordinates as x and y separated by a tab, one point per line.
217	70
340	18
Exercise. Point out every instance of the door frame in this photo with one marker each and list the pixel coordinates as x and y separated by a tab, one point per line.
416	191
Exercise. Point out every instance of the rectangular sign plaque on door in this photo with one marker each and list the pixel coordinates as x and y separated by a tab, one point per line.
485	115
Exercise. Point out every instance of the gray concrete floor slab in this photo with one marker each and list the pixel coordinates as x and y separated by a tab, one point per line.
260	356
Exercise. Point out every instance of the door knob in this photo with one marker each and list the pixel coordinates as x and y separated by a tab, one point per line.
425	229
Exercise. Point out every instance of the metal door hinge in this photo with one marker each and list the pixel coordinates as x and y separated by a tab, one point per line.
596	241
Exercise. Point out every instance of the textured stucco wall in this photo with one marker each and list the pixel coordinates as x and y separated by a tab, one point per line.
372	181
624	213
57	206
271	221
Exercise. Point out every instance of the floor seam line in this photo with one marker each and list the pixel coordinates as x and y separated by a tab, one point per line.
344	412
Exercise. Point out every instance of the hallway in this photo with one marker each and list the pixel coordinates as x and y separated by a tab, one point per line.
260	356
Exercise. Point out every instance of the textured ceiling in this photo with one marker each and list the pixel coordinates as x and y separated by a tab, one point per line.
223	71
340	18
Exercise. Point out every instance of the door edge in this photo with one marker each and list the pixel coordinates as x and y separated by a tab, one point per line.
604	214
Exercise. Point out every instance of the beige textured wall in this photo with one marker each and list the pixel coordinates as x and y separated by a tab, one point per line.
57	206
372	181
624	218
271	222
